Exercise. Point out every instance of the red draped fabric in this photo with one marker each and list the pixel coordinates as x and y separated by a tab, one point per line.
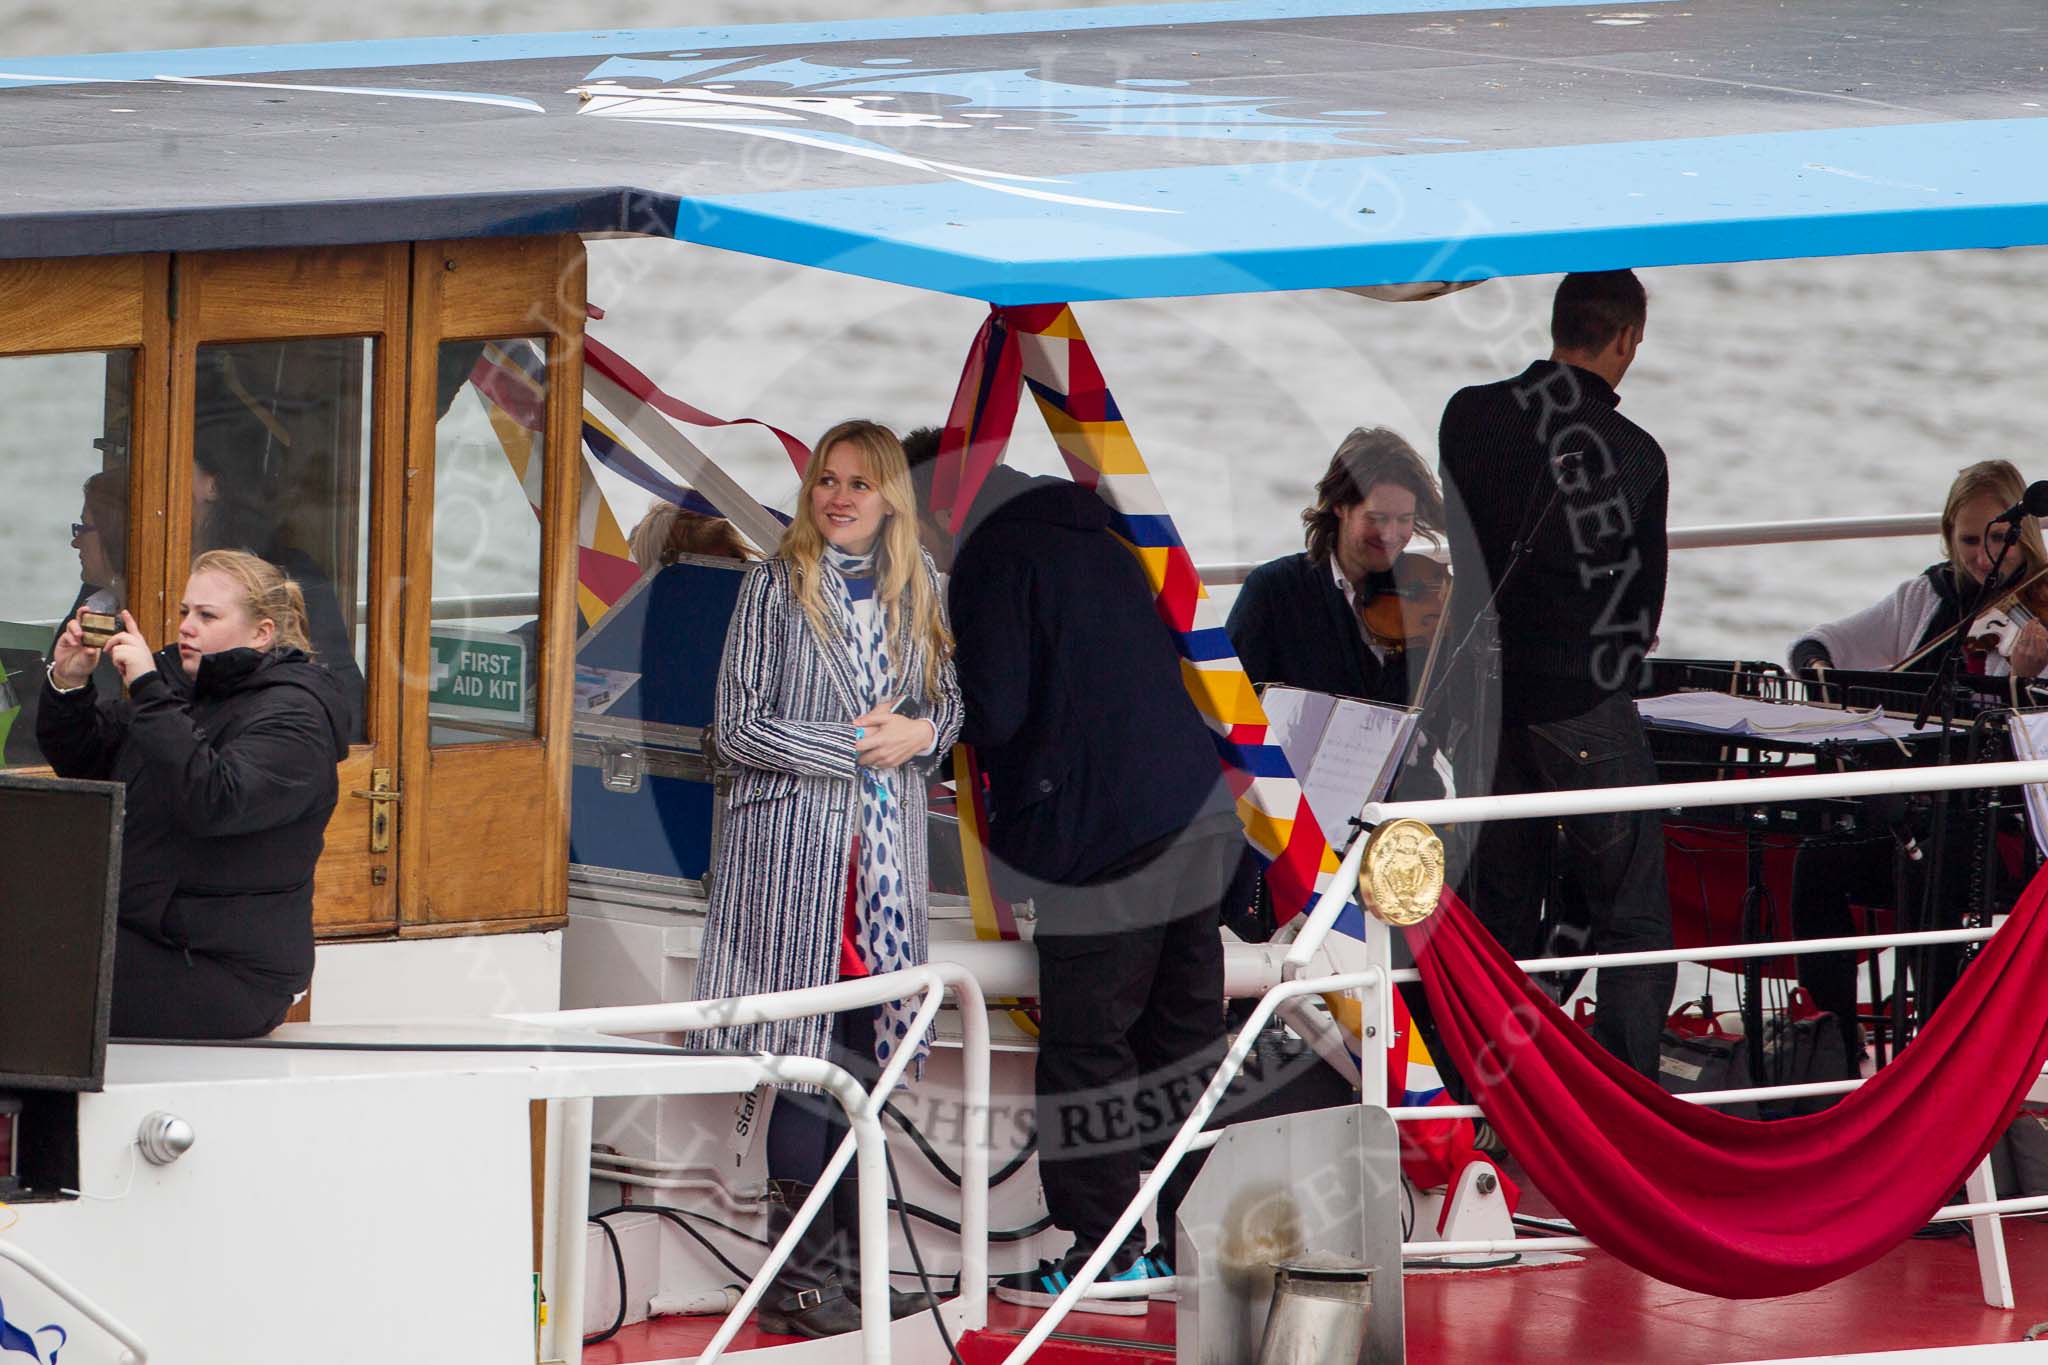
1742	1208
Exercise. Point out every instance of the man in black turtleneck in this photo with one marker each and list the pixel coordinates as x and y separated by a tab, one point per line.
1557	514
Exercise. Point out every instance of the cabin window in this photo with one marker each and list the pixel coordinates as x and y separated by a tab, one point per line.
489	459
65	531
281	469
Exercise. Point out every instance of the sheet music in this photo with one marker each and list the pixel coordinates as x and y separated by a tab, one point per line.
1343	751
1295	721
2029	732
1717	713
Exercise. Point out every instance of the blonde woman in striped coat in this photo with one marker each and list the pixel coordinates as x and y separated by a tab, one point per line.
836	699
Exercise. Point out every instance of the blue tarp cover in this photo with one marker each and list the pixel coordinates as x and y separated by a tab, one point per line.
1130	152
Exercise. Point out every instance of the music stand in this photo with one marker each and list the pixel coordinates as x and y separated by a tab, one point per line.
1758	725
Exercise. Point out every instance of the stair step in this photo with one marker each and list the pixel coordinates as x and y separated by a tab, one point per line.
1083	1339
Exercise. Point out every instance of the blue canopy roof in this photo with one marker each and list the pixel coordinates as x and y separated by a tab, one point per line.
1132	152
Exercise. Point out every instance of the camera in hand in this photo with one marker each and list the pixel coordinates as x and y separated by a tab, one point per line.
97	628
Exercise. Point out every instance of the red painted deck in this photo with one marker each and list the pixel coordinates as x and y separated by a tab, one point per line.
1922	1294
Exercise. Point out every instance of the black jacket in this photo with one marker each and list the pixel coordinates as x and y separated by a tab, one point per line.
1072	684
231	780
1547	462
1291	625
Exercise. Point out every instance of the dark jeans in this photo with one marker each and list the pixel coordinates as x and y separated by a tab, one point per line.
1615	863
1130	1030
166	992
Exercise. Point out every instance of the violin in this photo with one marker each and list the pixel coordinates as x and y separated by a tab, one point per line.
1995	629
1405	611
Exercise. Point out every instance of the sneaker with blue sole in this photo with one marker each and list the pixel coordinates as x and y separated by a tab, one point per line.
1040	1287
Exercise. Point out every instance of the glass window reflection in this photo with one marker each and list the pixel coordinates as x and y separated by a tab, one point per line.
64	537
281	447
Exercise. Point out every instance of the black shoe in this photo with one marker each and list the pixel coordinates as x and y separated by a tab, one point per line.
902	1303
807	1298
844	1210
808	1313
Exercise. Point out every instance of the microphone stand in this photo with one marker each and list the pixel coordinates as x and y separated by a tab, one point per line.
1952	652
1468	742
1944	685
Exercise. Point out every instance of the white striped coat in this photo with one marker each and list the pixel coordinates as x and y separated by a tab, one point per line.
786	703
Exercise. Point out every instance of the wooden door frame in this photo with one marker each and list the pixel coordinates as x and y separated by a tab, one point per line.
109	303
299	294
484	290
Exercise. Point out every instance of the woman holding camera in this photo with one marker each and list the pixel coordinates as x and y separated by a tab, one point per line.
227	743
836	696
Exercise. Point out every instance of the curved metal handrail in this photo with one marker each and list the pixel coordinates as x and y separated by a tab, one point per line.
865	1144
63	1289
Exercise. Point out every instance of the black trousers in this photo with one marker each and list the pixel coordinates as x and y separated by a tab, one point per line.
1826	881
1130	1030
1615	864
165	992
805	1128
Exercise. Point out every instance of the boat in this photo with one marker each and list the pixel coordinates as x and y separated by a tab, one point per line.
374	252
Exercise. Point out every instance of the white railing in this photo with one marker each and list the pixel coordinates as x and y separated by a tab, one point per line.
1183	1142
973	1281
1791	947
1723	536
865	1144
1330	903
1984	1208
1741	791
1993	1271
131	1345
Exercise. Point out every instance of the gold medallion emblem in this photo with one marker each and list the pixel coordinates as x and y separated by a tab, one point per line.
1402	877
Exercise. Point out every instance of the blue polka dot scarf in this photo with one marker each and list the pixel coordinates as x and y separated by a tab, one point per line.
882	914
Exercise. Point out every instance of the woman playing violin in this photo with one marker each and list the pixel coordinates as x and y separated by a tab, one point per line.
1350	613
2006	638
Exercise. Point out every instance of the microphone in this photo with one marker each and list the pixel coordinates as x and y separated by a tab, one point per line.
2033	503
1896	814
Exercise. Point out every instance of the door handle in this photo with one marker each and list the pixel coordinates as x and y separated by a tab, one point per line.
381	796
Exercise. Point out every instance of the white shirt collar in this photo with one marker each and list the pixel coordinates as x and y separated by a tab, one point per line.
1350	591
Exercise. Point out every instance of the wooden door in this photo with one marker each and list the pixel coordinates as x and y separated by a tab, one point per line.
494	477
287	427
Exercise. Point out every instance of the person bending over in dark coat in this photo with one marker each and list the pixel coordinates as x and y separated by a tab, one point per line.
1298	619
227	745
1107	809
